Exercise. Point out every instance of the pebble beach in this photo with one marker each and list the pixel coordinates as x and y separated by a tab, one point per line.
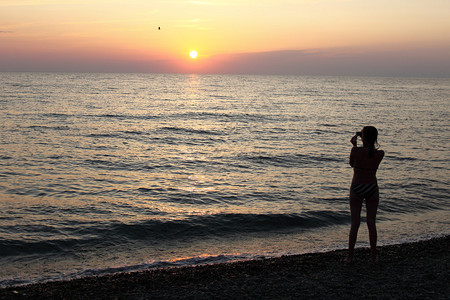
418	270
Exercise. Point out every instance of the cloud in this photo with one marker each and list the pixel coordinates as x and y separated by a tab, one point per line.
337	61
424	61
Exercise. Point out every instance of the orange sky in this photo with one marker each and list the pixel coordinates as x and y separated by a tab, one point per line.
396	37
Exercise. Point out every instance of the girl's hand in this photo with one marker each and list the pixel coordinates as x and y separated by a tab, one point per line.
354	140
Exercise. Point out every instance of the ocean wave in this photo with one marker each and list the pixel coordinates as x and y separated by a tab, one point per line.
156	264
289	160
43	127
190	261
195	227
243	117
103	135
124	116
126	166
190	130
57	115
401	158
21	248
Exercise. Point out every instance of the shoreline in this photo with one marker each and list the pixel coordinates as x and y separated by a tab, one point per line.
408	271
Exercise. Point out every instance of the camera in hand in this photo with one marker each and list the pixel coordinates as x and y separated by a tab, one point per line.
358	133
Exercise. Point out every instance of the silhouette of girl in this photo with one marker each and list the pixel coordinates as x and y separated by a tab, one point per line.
365	161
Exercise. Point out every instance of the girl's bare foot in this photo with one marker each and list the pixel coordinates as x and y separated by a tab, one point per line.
348	260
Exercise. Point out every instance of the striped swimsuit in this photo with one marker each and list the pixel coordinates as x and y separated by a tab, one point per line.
365	191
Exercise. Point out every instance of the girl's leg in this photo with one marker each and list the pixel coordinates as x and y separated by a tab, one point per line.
355	211
371	208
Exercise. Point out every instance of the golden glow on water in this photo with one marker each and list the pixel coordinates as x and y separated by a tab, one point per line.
126	168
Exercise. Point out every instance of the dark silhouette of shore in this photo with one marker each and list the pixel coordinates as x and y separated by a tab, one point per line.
417	270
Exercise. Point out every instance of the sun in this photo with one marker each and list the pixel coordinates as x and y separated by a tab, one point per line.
193	54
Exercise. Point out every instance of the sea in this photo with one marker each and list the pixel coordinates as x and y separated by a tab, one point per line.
111	173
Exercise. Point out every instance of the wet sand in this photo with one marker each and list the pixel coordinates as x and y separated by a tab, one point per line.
417	270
